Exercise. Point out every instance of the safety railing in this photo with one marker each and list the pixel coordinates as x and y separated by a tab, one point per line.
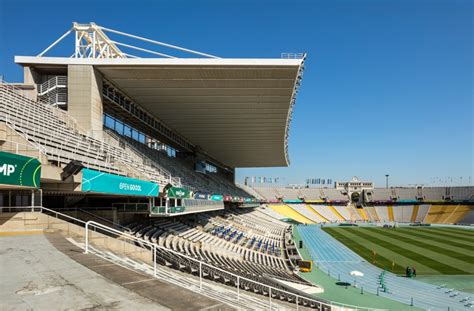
58	99
95	147
51	84
44	210
293	55
272	292
157	250
132	207
161	174
20	148
91	215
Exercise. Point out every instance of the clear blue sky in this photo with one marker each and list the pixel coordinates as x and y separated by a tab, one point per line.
388	85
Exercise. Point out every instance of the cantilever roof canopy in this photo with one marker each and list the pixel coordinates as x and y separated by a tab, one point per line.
237	110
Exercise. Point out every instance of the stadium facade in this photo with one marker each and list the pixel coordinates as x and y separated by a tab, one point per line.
178	122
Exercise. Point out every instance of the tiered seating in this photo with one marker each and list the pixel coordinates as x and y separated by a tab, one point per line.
442	214
462	193
342	210
306	212
55	134
333	194
288	193
259	237
405	193
268	193
179	168
433	194
421	212
382	194
403	213
382	212
378	194
311	193
288	212
371	213
251	191
326	212
219	249
270	212
354	213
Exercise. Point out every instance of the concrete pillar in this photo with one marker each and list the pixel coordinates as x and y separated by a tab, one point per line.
85	98
32	78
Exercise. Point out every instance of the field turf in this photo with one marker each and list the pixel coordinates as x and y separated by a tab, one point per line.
432	251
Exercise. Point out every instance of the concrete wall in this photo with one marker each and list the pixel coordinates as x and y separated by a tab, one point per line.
32	78
23	221
28	221
85	98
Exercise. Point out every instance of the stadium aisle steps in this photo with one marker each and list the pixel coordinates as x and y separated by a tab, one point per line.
414	213
390	213
372	213
336	213
288	212
363	214
313	210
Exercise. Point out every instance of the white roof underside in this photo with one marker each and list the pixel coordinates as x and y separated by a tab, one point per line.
236	110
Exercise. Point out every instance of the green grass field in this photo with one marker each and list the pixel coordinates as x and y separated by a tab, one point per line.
432	251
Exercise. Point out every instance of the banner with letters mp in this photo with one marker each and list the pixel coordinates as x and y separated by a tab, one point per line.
19	170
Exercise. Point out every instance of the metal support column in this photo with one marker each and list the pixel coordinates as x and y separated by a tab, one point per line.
154	259
86	251
200	275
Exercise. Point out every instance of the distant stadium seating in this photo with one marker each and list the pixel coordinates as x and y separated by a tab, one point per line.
462	193
425	213
404	193
446	214
288	212
307	212
434	194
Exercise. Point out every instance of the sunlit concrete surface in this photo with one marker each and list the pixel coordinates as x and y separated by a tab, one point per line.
36	276
46	272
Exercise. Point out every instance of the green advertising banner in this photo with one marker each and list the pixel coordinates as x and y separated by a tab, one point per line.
178	193
95	181
217	197
19	170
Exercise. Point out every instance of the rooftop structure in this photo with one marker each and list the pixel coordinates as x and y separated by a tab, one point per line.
225	108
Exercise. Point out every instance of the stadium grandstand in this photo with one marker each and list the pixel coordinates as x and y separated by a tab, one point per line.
127	155
353	201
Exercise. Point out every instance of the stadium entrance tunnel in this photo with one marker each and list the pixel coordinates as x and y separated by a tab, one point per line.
19	196
355	196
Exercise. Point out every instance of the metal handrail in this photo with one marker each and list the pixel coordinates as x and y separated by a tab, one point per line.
116	154
156	247
17	145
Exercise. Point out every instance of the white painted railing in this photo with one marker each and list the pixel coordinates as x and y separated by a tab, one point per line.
255	302
51	84
298	299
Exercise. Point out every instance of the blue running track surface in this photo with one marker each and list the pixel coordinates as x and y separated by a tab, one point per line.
331	255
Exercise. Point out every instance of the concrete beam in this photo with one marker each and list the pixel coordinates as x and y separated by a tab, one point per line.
85	98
